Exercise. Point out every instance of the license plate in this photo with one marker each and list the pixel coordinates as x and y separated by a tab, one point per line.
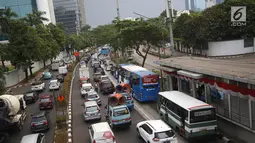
166	142
204	130
123	120
92	114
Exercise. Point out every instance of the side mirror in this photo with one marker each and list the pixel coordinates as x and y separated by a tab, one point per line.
105	107
82	104
89	127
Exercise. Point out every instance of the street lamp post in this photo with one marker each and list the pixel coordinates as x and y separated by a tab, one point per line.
169	13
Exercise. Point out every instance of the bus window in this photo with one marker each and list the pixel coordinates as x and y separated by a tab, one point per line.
202	115
150	86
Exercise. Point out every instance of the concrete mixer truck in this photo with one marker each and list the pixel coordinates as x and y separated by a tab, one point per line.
12	112
117	113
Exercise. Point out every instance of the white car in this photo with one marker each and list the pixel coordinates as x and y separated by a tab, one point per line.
101	133
33	138
38	85
54	84
155	131
86	88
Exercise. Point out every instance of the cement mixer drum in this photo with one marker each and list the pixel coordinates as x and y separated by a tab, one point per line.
116	99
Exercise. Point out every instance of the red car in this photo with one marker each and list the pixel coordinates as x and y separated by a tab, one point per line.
45	102
83	80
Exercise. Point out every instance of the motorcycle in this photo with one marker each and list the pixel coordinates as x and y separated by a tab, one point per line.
96	87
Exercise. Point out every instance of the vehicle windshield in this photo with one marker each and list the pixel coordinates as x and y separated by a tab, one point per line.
105	78
165	134
44	100
37	83
107	85
38	119
53	83
29	94
87	88
120	112
91	109
92	96
202	115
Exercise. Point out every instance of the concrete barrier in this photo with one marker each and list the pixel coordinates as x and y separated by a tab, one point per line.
17	75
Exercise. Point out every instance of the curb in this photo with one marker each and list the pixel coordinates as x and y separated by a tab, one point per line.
69	109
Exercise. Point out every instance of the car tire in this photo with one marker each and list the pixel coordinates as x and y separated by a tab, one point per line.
138	133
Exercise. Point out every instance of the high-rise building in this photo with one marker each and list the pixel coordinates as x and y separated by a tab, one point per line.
24	7
67	13
82	13
194	5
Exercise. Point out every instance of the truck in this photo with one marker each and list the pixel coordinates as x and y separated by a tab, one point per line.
84	72
12	113
62	70
117	113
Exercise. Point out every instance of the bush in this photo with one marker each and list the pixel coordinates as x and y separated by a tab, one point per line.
61	121
61	136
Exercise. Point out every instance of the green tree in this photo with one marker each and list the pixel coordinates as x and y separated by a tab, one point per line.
2	81
35	18
6	16
24	45
49	47
140	32
214	24
163	13
4	53
58	34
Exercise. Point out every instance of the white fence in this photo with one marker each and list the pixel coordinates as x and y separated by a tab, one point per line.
17	75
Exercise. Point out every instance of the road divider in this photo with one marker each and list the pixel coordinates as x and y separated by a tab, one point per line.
69	108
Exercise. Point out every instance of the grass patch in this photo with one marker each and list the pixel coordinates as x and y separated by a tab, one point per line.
61	121
61	135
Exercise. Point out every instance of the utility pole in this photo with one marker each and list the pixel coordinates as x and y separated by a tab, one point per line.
169	12
118	9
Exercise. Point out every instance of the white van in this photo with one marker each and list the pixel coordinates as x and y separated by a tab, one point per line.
62	70
101	132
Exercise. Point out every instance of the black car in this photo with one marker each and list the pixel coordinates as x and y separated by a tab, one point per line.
106	87
40	122
4	138
60	78
99	70
30	97
97	76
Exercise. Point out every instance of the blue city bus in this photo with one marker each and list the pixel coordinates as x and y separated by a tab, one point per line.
145	84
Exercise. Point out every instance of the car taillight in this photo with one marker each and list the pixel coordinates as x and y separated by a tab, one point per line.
45	122
155	139
94	141
98	109
114	120
128	118
85	113
32	125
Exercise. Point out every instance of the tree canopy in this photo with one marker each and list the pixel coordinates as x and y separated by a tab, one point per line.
214	24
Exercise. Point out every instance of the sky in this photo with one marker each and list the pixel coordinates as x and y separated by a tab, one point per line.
100	12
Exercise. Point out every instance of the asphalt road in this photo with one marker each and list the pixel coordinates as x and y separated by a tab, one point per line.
80	127
33	108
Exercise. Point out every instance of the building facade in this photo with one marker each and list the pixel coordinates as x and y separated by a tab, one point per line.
82	12
195	5
68	14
